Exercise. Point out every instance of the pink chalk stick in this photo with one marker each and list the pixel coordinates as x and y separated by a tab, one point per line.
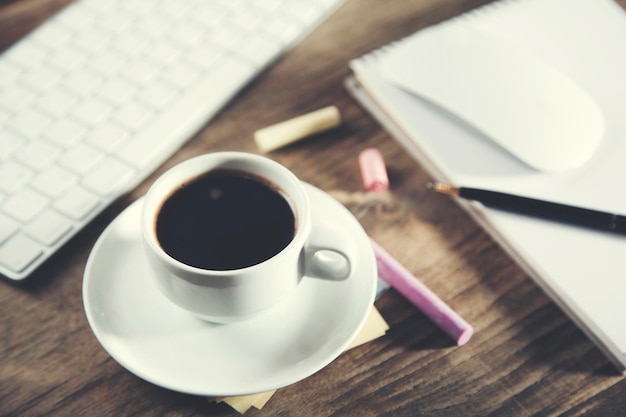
373	170
415	291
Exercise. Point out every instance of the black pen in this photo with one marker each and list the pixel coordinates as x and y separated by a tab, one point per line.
578	216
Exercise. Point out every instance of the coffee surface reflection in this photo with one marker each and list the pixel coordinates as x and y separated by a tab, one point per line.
225	220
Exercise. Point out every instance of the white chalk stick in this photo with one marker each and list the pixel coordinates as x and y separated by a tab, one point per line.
281	134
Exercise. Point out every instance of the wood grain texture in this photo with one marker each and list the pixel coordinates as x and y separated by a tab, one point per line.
525	359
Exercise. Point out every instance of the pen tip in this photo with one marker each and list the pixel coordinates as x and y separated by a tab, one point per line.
443	188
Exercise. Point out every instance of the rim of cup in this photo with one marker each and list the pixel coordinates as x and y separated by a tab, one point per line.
192	168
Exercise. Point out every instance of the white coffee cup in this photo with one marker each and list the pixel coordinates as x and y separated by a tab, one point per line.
232	295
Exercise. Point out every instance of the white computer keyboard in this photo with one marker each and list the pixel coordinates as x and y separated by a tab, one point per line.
104	92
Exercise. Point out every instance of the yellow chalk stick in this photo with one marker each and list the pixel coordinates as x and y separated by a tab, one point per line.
281	134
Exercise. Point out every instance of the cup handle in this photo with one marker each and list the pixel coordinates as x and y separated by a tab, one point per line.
329	255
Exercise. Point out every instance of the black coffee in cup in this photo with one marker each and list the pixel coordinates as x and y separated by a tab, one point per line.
224	220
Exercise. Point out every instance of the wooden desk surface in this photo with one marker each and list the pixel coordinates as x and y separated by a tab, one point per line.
526	357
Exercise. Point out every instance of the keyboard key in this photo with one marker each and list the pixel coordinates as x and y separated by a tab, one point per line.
41	78
38	154
109	177
131	46
8	73
81	159
25	205
113	21
176	9
82	82
54	181
65	133
140	72
91	40
19	252
30	123
163	53
91	111
132	115
248	20
56	102
108	63
77	203
8	226
153	27
206	56
225	37
180	75
187	34
157	95
107	137
48	228
117	91
13	176
67	59
9	142
15	97
211	16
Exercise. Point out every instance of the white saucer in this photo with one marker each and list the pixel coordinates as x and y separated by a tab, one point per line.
163	344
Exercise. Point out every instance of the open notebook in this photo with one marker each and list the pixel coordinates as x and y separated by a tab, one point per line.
582	270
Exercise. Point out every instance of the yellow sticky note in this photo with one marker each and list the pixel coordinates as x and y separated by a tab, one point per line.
375	326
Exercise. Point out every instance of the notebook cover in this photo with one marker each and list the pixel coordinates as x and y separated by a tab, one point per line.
580	269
